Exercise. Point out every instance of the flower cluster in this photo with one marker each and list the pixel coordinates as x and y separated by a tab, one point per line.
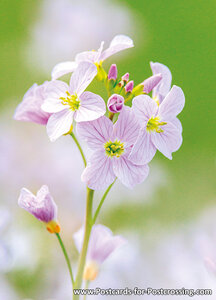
123	132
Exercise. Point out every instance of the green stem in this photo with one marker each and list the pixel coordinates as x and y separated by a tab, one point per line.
86	287
79	147
66	257
102	201
88	227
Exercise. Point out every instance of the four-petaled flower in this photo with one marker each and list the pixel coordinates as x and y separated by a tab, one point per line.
71	102
29	110
160	128
118	43
102	244
112	145
42	206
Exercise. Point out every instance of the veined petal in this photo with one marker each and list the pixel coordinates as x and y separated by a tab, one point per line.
56	89
126	129
89	56
96	132
143	150
165	84
119	43
82	77
53	105
167	141
98	174
59	123
144	108
173	104
92	106
177	124
63	68
129	173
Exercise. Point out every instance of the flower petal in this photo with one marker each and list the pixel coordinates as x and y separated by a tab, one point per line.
167	141
151	82
92	106
96	132
144	108
82	77
177	124
90	56
59	123
63	68
173	104
165	84
98	174
126	129
129	173
143	150
119	43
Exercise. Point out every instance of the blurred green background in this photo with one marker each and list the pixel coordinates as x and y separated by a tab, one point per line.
179	34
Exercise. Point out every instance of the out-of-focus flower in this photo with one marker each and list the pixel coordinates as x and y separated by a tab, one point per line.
158	126
112	145
101	245
29	109
5	258
112	74
163	87
118	43
115	103
69	102
42	206
125	77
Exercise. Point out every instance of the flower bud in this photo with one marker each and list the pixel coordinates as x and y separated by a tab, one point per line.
115	103
151	82
129	86
91	271
112	74
42	206
125	77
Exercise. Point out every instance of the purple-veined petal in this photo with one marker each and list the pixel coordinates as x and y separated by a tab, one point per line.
56	89
82	77
129	173
63	68
172	105
98	174
59	123
96	132
151	82
126	128
165	84
53	105
29	110
119	43
144	108
167	141
177	124
92	106
89	56
143	150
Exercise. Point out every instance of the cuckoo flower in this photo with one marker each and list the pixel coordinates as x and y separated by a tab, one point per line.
29	109
118	43
112	145
71	102
159	126
163	87
42	206
115	103
101	245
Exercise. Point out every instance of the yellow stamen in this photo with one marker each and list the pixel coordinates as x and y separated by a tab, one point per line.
154	125
115	148
71	100
53	226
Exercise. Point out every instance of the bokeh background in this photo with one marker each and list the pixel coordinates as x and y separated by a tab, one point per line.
170	220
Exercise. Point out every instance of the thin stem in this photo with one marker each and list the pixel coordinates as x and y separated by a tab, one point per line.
102	201
79	147
66	257
86	287
88	227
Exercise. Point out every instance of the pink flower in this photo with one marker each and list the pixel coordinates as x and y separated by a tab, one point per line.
101	245
150	83
118	43
112	74
69	102
163	88
160	129
125	77
112	145
29	109
129	86
115	103
42	206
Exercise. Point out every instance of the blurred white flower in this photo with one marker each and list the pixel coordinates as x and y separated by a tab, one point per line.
67	27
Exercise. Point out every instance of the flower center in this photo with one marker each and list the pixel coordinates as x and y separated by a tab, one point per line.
114	148
71	100
154	125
